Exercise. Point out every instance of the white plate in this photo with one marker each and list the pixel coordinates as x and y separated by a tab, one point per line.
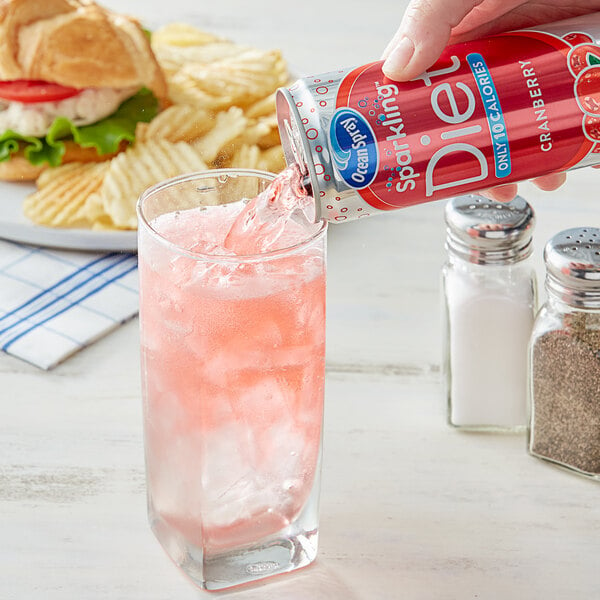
16	227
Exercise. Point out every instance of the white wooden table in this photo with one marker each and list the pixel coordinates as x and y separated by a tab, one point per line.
411	508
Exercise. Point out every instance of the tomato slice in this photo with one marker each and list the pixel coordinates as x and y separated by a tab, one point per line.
30	91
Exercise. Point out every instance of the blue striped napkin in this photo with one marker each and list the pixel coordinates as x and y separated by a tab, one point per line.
55	302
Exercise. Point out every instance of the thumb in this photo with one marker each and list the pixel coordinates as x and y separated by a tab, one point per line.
423	34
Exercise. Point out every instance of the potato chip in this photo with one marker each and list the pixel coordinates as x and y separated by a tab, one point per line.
262	133
270	140
238	80
228	126
270	132
47	176
177	123
252	157
93	211
183	90
255	131
181	34
262	108
138	168
62	192
173	58
245	157
272	160
179	44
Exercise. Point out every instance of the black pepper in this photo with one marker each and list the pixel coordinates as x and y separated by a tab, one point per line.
565	355
566	394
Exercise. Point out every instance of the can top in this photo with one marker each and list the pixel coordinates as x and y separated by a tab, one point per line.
484	231
572	260
294	145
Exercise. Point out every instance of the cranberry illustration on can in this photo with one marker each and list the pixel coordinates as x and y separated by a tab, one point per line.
497	110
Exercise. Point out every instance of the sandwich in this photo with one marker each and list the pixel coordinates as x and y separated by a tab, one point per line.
75	79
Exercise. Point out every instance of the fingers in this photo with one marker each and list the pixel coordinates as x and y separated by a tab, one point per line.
551	182
493	17
423	34
501	193
505	193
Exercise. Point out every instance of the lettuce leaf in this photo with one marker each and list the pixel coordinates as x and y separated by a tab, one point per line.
105	135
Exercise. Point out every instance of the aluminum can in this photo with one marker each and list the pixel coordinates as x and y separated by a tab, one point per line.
497	110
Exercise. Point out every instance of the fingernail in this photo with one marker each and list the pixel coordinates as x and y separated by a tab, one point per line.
399	58
391	45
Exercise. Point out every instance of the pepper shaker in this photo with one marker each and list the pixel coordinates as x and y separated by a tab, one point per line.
565	355
489	290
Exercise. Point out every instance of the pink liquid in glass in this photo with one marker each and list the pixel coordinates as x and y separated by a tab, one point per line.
233	362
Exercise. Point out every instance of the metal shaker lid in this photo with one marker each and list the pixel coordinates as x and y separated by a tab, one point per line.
573	266
485	231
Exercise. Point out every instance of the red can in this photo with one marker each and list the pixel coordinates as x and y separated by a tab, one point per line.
497	110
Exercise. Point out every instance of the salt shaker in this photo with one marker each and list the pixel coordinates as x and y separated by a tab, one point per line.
565	355
490	292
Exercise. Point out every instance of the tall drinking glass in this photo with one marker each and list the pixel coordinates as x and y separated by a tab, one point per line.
232	352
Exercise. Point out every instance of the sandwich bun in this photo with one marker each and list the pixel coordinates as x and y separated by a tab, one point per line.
18	168
78	44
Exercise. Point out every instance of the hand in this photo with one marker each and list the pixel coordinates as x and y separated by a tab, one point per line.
428	26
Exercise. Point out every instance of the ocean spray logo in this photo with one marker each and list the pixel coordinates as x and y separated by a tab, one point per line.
353	148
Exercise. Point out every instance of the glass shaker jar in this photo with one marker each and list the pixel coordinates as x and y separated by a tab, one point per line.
490	292
565	355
